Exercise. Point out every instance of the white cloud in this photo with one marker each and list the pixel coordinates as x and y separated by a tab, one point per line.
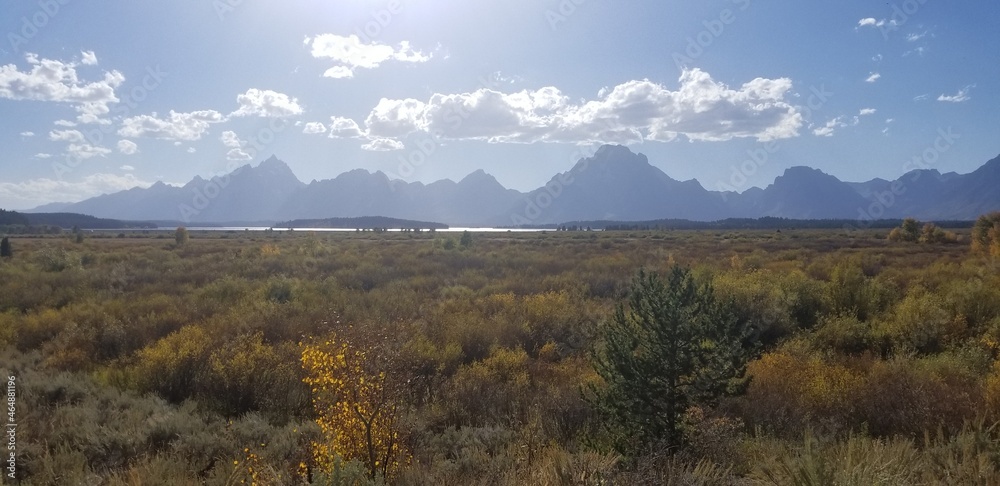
921	97
230	139
27	134
42	156
382	145
83	151
961	96
828	129
237	154
344	128
127	168
191	150
870	22
915	36
350	53
266	103
128	147
89	58
233	142
56	81
73	136
176	126
700	110
64	123
395	118
41	191
873	77
338	72
313	128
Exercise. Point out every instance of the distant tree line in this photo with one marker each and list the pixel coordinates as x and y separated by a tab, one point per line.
373	223
766	223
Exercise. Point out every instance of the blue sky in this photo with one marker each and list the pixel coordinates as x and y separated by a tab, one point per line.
100	98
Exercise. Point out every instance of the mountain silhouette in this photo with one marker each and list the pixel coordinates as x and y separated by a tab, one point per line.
614	184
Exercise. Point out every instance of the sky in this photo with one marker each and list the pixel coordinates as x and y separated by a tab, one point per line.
97	97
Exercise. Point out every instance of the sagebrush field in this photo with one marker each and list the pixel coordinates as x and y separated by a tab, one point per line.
426	358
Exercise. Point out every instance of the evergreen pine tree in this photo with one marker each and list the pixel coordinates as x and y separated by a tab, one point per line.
674	346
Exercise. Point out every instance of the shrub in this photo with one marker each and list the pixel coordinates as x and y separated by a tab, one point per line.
843	334
173	365
920	322
986	234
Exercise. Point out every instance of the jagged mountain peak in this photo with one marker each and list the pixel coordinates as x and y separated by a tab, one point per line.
613	183
479	177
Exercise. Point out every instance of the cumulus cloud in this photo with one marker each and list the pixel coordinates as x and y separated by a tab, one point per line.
127	168
27	134
83	151
701	109
41	191
830	127
313	128
266	103
42	155
344	128
382	145
395	118
872	22
237	154
191	150
350	53
57	81
64	123
89	58
230	139
873	77
175	126
961	96
66	136
235	144
128	147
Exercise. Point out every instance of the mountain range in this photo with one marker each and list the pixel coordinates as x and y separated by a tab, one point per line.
613	184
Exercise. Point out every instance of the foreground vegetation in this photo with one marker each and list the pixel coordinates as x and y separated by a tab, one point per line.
411	358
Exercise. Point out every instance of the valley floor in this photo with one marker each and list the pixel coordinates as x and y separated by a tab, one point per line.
265	358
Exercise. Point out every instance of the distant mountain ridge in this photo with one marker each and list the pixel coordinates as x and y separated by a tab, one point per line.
613	184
